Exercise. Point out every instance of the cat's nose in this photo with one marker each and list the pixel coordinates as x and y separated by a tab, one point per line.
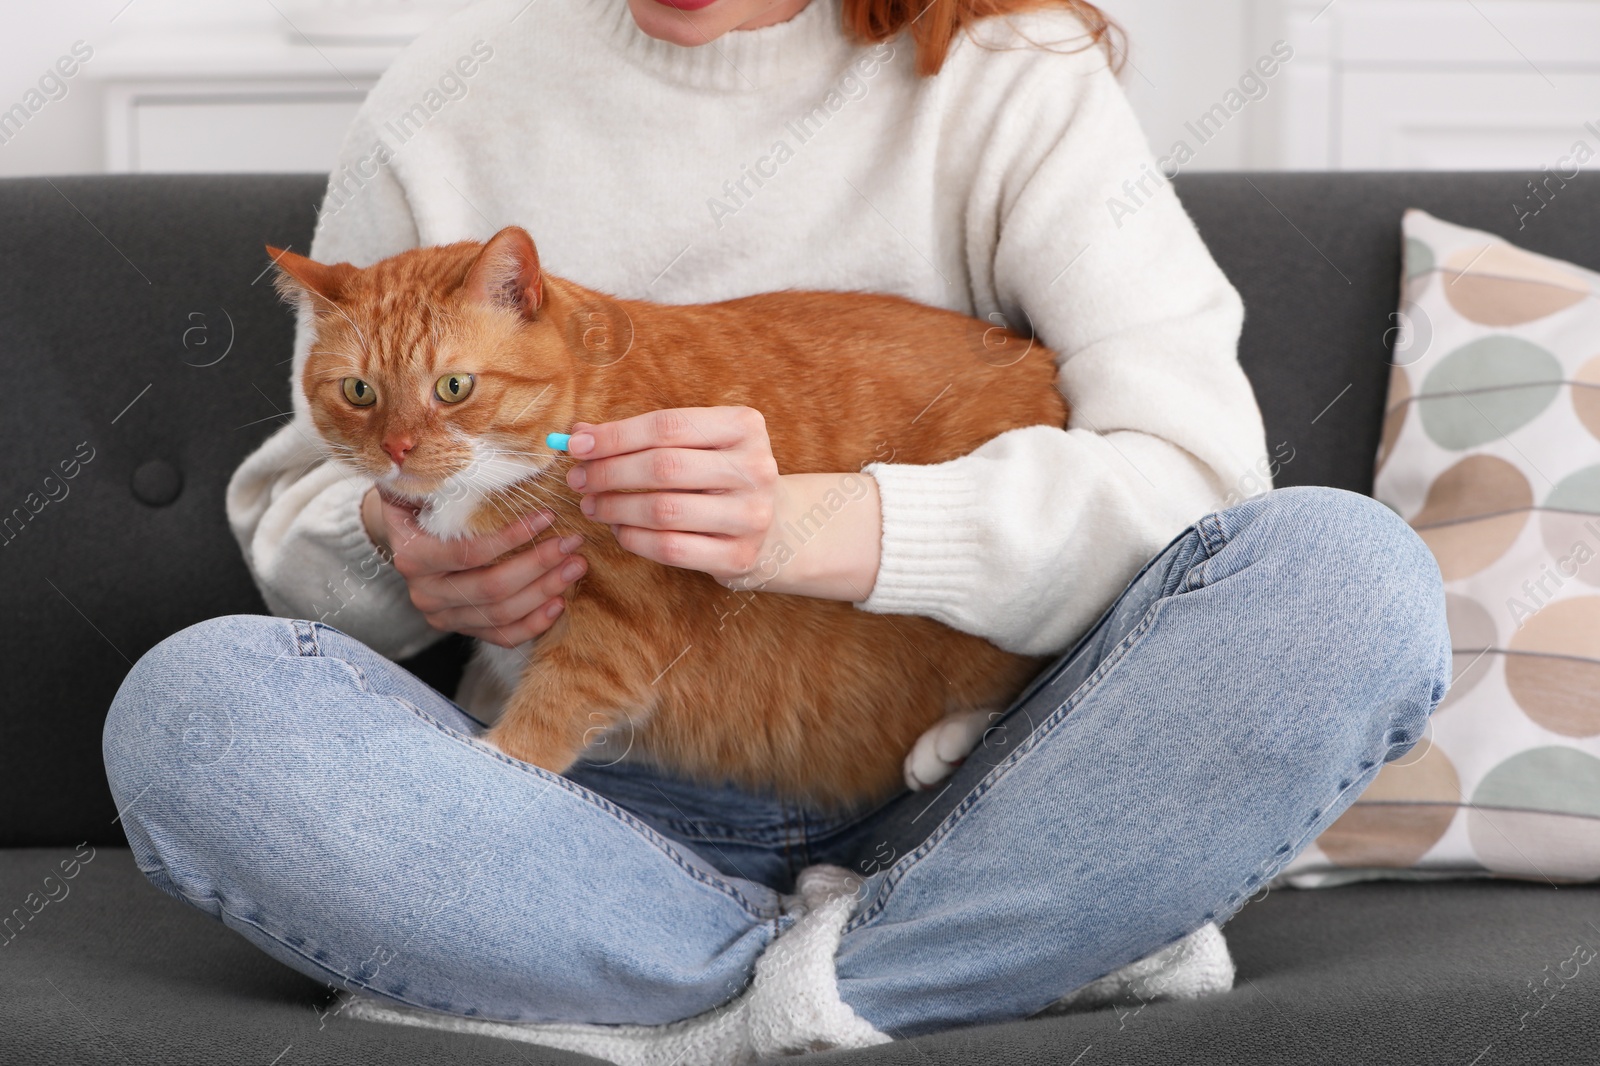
397	447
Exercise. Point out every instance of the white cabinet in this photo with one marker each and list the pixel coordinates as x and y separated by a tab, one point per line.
220	104
1449	120
220	126
189	85
1439	84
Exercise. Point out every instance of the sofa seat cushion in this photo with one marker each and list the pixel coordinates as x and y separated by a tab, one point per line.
113	971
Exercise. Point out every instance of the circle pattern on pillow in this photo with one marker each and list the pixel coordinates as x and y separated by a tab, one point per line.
1419	266
1394	418
1548	669
1474	512
1487	388
1569	526
1472	637
1496	284
1586	395
1537	814
1402	814
1499	474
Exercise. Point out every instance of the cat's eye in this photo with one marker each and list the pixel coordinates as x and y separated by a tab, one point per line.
453	388
359	392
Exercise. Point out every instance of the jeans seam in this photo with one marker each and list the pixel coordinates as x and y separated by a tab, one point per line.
601	803
710	832
898	872
1064	662
305	638
1212	533
700	833
319	653
199	901
1285	852
834	826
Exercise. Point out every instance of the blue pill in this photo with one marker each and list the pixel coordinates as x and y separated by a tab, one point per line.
558	441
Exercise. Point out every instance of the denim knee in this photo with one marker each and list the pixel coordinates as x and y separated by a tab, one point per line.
1357	565
171	710
171	728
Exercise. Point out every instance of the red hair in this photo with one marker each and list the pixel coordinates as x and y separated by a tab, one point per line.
935	23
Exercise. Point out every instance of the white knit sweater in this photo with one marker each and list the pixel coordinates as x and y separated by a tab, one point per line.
791	157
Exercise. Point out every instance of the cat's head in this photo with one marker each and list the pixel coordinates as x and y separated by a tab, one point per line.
437	372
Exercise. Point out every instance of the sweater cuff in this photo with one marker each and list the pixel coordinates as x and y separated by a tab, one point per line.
931	555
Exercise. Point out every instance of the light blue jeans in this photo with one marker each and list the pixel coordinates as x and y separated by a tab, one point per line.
345	817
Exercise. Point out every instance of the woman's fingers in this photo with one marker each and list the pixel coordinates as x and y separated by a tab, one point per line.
503	580
504	612
713	513
659	468
675	427
436	593
459	587
520	632
692	551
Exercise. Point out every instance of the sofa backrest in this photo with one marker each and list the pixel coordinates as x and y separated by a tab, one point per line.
1316	257
144	353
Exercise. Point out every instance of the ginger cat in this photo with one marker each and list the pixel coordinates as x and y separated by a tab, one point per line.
474	354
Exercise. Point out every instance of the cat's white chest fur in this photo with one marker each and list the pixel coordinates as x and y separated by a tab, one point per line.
452	505
447	518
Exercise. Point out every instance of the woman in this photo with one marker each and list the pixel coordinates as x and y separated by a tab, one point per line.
1207	716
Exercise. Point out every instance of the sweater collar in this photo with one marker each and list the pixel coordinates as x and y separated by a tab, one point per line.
738	61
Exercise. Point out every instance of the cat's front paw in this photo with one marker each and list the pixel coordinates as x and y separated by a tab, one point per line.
532	746
938	752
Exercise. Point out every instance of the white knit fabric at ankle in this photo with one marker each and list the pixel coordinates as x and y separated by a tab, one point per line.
792	1005
1198	965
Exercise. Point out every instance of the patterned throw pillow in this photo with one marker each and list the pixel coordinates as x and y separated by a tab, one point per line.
1491	450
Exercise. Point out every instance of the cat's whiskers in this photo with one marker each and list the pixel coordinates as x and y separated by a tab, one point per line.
523	493
501	477
340	454
478	480
548	457
345	458
338	446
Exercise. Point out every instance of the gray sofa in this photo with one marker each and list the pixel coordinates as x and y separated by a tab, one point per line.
136	328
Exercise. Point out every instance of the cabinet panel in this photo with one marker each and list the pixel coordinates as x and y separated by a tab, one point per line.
1439	120
1526	34
1436	84
284	133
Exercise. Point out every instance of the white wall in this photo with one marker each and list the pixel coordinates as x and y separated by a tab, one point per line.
1184	52
64	138
1184	56
67	135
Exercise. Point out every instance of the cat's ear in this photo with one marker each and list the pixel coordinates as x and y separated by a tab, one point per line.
506	273
300	278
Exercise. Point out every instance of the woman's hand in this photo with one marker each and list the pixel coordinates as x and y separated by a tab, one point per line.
460	589
698	488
